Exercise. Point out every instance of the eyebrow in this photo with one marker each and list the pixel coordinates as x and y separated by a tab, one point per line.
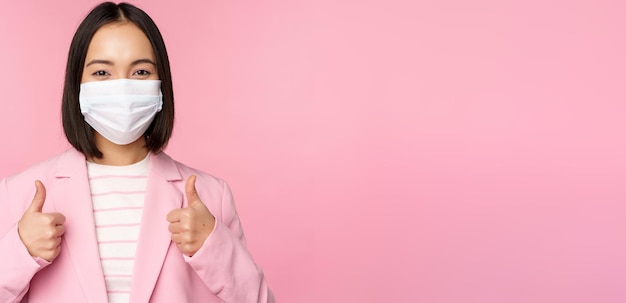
107	62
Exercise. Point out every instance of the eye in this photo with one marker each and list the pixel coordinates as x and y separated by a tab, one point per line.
100	73
142	72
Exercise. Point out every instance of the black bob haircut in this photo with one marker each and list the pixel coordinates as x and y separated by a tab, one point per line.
78	132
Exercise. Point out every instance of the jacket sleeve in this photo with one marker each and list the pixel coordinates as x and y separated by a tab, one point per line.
224	263
17	266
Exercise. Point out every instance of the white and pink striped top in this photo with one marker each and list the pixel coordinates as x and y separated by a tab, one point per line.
117	194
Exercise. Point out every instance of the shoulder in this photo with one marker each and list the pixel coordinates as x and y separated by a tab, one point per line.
184	171
17	190
43	170
213	191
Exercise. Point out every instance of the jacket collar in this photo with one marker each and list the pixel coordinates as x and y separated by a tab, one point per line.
72	197
163	194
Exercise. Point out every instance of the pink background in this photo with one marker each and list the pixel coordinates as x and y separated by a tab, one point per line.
382	151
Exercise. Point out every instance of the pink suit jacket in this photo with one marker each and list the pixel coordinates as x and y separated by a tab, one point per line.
221	271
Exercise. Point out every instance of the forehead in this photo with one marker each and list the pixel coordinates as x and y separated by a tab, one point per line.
119	41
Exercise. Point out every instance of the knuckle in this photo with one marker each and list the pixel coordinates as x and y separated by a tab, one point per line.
50	245
185	226
49	233
48	219
186	212
187	248
188	238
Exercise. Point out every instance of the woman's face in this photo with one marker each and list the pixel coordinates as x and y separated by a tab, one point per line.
119	50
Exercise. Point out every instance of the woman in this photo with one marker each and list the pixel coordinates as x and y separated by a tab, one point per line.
114	219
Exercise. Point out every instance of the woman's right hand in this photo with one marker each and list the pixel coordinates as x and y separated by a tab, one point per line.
41	232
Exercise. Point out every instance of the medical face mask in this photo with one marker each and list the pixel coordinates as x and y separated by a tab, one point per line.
120	110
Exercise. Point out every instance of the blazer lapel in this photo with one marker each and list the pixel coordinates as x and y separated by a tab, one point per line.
162	196
71	196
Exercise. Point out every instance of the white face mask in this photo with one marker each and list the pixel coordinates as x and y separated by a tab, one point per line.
120	110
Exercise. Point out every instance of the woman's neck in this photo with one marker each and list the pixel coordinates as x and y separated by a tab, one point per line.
119	155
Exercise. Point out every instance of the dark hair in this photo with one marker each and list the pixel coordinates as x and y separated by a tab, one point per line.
78	132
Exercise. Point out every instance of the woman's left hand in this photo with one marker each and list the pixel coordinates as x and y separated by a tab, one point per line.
191	225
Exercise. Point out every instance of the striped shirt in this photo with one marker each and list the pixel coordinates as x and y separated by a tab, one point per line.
117	194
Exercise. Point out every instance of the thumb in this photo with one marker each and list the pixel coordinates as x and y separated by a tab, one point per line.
39	199
191	192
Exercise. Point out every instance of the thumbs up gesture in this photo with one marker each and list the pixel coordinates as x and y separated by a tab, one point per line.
191	225
41	232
